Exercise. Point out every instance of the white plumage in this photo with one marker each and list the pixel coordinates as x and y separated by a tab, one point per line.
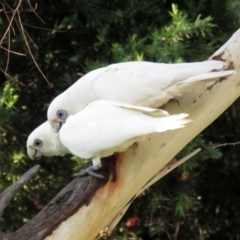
44	141
138	83
101	129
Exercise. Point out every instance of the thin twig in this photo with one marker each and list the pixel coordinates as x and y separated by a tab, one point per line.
6	14
17	53
8	53
6	75
23	32
34	11
226	144
10	23
35	45
5	3
41	28
29	49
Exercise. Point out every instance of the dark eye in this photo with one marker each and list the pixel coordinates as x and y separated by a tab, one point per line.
62	114
38	143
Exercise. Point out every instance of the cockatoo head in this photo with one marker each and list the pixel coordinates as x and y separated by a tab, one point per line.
44	141
58	112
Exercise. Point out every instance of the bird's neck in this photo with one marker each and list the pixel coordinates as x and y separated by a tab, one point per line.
81	93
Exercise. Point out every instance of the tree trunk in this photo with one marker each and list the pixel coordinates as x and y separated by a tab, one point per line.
139	164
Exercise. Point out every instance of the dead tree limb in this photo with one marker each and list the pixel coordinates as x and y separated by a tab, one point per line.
10	192
14	16
75	195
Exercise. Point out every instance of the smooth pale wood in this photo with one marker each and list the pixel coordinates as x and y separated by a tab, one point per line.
140	163
174	163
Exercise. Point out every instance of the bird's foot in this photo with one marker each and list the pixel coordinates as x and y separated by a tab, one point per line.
89	171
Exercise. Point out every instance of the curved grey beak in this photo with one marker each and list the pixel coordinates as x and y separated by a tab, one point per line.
34	153
56	126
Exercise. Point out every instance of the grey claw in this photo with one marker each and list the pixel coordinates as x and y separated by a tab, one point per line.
90	171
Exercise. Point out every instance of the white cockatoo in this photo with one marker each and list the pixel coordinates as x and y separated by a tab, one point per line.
138	83
101	129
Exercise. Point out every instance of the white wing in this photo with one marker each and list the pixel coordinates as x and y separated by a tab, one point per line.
154	112
152	84
103	128
139	83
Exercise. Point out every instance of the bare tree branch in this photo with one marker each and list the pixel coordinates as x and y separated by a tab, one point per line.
34	11
10	23
75	195
16	17
8	50
226	144
9	193
6	14
24	33
17	53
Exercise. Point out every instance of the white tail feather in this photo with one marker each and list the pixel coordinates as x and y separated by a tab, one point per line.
208	76
172	122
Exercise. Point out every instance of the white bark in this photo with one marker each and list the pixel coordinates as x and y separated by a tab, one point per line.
174	163
139	164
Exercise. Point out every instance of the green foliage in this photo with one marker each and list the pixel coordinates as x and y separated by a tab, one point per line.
8	98
199	200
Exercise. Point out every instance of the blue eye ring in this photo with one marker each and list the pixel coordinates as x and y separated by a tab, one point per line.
62	114
38	143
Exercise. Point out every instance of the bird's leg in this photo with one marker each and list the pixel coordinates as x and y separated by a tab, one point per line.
97	164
